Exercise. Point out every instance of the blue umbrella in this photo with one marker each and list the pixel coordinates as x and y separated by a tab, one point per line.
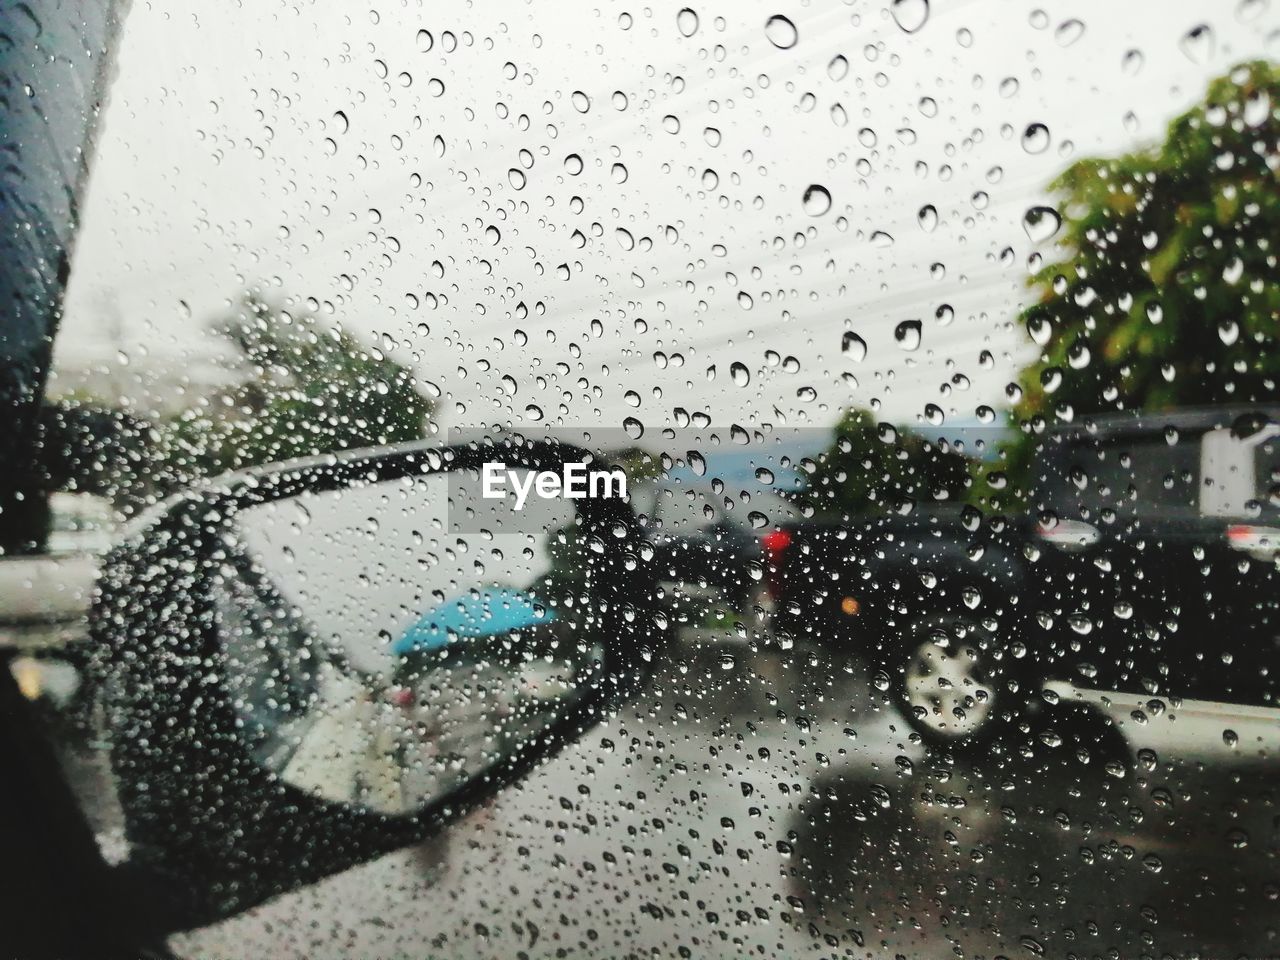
486	613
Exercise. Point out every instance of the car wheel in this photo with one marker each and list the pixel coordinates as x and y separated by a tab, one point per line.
946	682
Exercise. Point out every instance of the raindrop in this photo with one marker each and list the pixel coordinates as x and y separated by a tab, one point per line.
853	347
1035	139
1068	32
764	475
1228	332
517	178
816	200
781	32
573	164
712	136
910	15
1078	356
744	300
697	463
838	68
1197	43
838	115
1041	223
934	415
739	373
581	102
1248	10
425	40
619	172
908	333
533	412
1132	62
927	218
687	22
633	427
1008	87
438	144
671	124
881	239
341	121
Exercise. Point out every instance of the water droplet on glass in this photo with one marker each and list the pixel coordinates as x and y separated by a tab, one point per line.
1132	62
739	373
853	347
1035	139
581	102
838	68
697	463
1068	32
910	15
671	124
816	200
1197	43
687	22
1041	223
781	32
927	218
517	178
633	427
744	300
1228	332
425	40
908	333
573	164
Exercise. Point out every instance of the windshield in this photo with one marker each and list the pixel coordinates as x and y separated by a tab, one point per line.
775	481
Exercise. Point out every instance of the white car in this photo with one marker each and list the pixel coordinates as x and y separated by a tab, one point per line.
45	596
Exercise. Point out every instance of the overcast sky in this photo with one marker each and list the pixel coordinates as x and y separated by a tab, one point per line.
360	163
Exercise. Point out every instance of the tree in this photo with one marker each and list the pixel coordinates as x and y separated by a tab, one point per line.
1166	293
308	387
874	466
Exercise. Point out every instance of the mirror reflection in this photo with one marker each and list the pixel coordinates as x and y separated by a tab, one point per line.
379	657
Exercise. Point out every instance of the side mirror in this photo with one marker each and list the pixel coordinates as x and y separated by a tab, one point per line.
307	667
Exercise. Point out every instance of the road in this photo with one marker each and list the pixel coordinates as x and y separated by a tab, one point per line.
764	804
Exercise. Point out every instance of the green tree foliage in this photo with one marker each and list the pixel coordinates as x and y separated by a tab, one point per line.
873	466
1165	292
308	387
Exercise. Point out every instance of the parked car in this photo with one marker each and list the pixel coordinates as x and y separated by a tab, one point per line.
706	543
1150	533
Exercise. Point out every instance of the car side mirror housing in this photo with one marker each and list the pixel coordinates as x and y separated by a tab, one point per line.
309	666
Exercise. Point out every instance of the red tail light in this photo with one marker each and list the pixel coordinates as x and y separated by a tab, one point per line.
775	541
775	544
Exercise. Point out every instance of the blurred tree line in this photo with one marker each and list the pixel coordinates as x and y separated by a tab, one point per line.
301	386
1162	290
